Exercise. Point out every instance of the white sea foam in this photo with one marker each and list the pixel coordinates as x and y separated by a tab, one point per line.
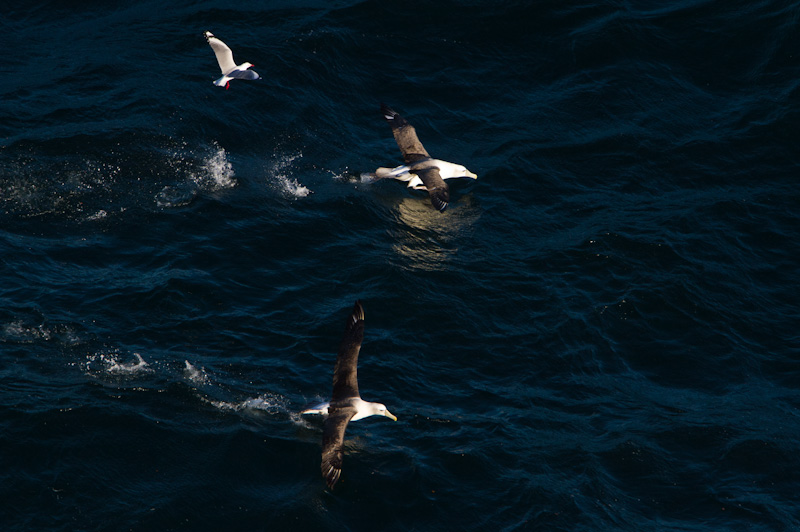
212	173
175	196
36	185
115	366
293	187
216	172
99	215
299	419
112	363
22	333
195	375
268	402
280	173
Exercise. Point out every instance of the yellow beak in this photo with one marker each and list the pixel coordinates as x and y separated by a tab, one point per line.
390	416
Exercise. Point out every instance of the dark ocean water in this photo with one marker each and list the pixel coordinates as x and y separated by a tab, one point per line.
601	333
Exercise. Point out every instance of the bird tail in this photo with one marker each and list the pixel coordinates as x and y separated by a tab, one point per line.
383	172
400	173
318	407
223	81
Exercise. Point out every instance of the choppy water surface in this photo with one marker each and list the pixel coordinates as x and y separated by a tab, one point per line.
599	334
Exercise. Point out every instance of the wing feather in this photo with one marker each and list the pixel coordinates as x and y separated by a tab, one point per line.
333	444
437	188
223	53
243	74
405	135
345	374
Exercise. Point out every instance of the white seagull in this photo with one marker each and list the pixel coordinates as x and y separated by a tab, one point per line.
230	70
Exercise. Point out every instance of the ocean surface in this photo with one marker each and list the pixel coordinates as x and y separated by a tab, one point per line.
599	334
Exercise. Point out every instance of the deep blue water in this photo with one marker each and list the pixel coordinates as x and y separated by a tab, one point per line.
601	333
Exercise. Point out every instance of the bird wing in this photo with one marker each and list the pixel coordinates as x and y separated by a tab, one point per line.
437	188
333	444
345	374
405	135
223	53
243	74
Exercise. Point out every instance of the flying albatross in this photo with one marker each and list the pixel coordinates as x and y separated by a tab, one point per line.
420	171
230	70
346	404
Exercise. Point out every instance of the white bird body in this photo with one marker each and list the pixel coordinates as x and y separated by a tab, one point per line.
403	173
230	70
367	408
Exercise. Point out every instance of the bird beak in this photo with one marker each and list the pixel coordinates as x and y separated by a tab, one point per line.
473	176
390	416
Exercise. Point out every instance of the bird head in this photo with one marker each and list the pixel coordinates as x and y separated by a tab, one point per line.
380	410
450	170
466	173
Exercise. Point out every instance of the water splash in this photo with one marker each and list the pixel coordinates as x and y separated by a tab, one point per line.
209	173
175	196
36	185
195	375
140	366
19	332
99	215
267	402
216	171
111	363
294	188
279	172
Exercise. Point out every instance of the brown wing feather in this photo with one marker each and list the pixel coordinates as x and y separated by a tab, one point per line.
437	188
345	374
405	135
333	444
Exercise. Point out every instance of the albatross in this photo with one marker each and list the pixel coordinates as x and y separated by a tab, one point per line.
230	70
346	404
420	171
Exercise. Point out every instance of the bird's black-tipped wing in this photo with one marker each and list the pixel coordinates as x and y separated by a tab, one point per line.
345	374
405	135
437	188
333	444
